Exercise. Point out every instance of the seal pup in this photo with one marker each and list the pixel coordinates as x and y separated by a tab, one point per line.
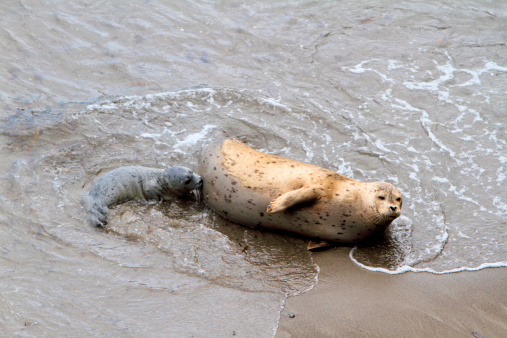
267	191
139	183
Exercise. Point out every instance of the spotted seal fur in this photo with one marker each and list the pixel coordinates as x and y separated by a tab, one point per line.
139	183
271	192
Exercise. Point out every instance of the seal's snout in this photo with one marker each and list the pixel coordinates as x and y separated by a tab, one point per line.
395	211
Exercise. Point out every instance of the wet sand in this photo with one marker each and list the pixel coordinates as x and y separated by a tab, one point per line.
350	301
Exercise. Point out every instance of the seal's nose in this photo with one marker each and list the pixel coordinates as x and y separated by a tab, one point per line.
393	208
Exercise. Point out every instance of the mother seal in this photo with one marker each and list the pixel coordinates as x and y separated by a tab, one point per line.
140	183
267	191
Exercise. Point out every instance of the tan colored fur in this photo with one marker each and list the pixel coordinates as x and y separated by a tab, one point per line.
262	190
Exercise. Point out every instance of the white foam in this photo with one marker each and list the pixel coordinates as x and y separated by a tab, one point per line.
308	150
274	103
359	69
447	71
426	123
462	235
497	202
193	139
407	268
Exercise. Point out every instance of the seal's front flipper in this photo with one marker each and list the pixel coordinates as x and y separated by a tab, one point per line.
292	198
97	214
96	219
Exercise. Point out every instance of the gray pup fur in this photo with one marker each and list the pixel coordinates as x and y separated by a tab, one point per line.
138	183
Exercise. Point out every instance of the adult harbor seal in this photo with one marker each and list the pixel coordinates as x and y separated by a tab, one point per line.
267	191
140	183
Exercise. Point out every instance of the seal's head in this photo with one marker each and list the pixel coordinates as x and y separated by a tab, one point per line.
181	180
387	201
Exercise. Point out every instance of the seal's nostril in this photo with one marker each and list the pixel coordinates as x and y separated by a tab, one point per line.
393	208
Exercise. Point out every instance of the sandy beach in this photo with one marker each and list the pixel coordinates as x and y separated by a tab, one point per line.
350	301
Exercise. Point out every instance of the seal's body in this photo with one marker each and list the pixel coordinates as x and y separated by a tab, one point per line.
267	191
138	183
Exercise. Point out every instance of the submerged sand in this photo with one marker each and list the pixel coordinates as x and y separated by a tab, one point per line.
349	301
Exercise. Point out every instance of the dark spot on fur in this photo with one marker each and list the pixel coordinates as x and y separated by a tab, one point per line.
234	182
261	214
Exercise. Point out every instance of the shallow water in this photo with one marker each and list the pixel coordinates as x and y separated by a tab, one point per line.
408	94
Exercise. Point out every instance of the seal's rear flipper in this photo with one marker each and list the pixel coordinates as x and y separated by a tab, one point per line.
318	245
292	198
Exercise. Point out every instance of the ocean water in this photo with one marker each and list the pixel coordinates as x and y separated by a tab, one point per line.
404	93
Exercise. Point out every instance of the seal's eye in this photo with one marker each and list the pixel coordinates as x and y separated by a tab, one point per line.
398	199
187	182
381	198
